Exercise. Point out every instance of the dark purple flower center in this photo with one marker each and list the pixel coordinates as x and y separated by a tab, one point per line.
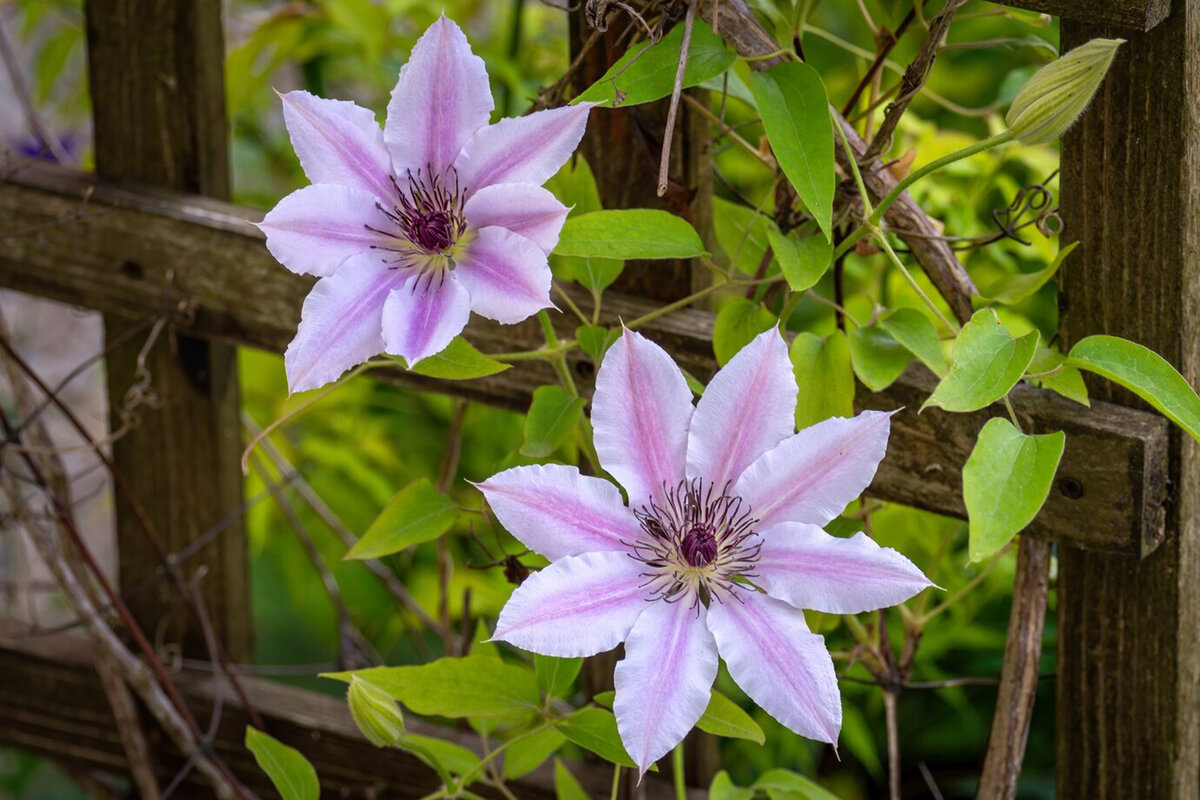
427	213
699	546
698	541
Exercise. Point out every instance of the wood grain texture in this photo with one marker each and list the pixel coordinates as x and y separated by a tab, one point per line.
158	99
623	147
1129	664
1019	675
206	254
51	704
1141	15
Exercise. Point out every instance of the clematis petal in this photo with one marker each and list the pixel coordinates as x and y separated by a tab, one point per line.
641	411
506	274
748	408
577	606
525	149
340	323
442	98
810	477
665	680
531	211
314	229
805	566
783	667
423	314
338	142
556	511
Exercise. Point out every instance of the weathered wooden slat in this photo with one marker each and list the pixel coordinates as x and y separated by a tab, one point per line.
156	72
144	247
1128	660
1141	15
51	703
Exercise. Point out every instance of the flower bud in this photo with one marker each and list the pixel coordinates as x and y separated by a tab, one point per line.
1057	94
375	713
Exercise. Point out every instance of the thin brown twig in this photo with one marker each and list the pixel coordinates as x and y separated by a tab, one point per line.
350	640
335	524
664	162
139	512
914	78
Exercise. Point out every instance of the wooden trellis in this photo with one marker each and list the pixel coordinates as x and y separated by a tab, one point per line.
152	233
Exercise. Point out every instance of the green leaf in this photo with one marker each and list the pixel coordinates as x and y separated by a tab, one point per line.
552	416
525	755
988	362
565	785
645	233
456	687
723	788
741	233
1005	482
575	186
595	340
916	333
418	513
723	717
823	373
780	784
1012	289
293	776
443	756
795	114
460	361
604	698
877	358
1061	377
802	261
595	729
1143	372
642	77
480	644
737	323
556	676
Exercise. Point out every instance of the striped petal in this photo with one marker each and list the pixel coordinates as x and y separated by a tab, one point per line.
340	324
665	680
810	477
314	229
747	408
531	211
578	606
805	566
338	142
525	149
506	274
641	411
424	314
782	666
440	100
556	511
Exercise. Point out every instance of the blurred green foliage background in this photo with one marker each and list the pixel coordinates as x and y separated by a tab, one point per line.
368	440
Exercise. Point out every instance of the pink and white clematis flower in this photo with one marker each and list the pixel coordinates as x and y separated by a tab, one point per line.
413	227
718	550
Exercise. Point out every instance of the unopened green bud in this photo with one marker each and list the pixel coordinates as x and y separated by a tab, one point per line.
375	713
1057	94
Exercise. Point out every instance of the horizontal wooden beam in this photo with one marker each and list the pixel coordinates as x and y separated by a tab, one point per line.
52	704
1141	15
149	250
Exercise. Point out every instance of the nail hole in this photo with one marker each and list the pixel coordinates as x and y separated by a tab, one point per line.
1071	487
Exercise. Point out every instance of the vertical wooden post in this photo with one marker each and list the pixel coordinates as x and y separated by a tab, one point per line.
158	97
1129	629
623	146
